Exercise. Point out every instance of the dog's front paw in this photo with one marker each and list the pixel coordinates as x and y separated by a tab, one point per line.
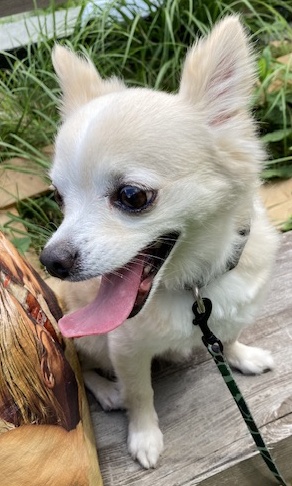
247	359
145	445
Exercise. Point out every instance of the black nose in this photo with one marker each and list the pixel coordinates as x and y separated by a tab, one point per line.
58	261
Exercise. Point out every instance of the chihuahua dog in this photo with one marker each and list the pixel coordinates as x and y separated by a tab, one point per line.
159	195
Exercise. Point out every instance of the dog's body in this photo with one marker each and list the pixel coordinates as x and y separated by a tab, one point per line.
134	167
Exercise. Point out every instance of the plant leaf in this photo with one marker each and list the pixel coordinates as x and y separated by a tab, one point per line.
277	135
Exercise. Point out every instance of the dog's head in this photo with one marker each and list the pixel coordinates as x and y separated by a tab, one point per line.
140	172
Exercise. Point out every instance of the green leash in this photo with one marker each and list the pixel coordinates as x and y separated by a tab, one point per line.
202	309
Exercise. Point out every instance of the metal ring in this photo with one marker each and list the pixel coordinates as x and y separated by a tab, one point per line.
199	300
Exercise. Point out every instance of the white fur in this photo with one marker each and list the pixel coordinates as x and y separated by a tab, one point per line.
199	150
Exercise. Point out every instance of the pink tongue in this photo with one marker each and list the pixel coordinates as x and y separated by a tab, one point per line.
111	307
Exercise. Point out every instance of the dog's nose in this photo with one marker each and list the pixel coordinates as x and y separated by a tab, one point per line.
58	261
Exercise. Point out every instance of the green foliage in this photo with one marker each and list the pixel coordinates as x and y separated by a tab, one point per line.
39	218
28	94
287	226
146	51
274	110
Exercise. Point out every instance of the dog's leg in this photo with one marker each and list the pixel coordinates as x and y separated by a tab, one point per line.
247	359
145	440
106	392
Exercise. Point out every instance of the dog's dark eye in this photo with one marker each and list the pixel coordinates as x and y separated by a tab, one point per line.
58	199
133	198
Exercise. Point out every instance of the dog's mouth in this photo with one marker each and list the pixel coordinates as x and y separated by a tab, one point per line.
122	293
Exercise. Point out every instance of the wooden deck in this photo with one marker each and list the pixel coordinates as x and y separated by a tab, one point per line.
206	440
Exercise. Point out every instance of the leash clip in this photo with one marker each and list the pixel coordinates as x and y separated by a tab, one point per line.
199	301
202	309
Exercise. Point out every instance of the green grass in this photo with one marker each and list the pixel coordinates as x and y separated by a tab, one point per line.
145	52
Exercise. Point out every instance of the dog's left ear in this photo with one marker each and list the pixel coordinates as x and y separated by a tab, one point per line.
218	73
79	80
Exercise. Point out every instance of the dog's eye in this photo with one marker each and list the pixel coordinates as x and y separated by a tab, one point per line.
133	198
58	199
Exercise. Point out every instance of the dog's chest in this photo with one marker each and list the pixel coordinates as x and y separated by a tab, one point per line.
167	323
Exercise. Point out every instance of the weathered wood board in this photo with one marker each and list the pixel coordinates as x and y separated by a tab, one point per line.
19	31
19	179
277	197
206	440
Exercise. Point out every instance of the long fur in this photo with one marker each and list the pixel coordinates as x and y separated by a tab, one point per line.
198	148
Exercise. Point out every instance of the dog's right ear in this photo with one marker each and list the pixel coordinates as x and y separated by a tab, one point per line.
79	80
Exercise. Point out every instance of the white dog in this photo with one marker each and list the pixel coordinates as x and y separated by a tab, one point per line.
159	193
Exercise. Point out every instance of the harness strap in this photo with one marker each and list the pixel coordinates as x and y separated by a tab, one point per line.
202	309
235	255
244	234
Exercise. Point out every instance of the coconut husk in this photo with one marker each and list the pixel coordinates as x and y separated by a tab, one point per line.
45	431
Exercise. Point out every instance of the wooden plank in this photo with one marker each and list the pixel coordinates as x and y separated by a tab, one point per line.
206	440
253	472
8	7
13	227
26	29
277	197
21	181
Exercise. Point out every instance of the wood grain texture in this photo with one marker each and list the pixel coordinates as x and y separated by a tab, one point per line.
206	440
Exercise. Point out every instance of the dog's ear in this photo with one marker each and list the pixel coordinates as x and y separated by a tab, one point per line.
218	73
79	80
